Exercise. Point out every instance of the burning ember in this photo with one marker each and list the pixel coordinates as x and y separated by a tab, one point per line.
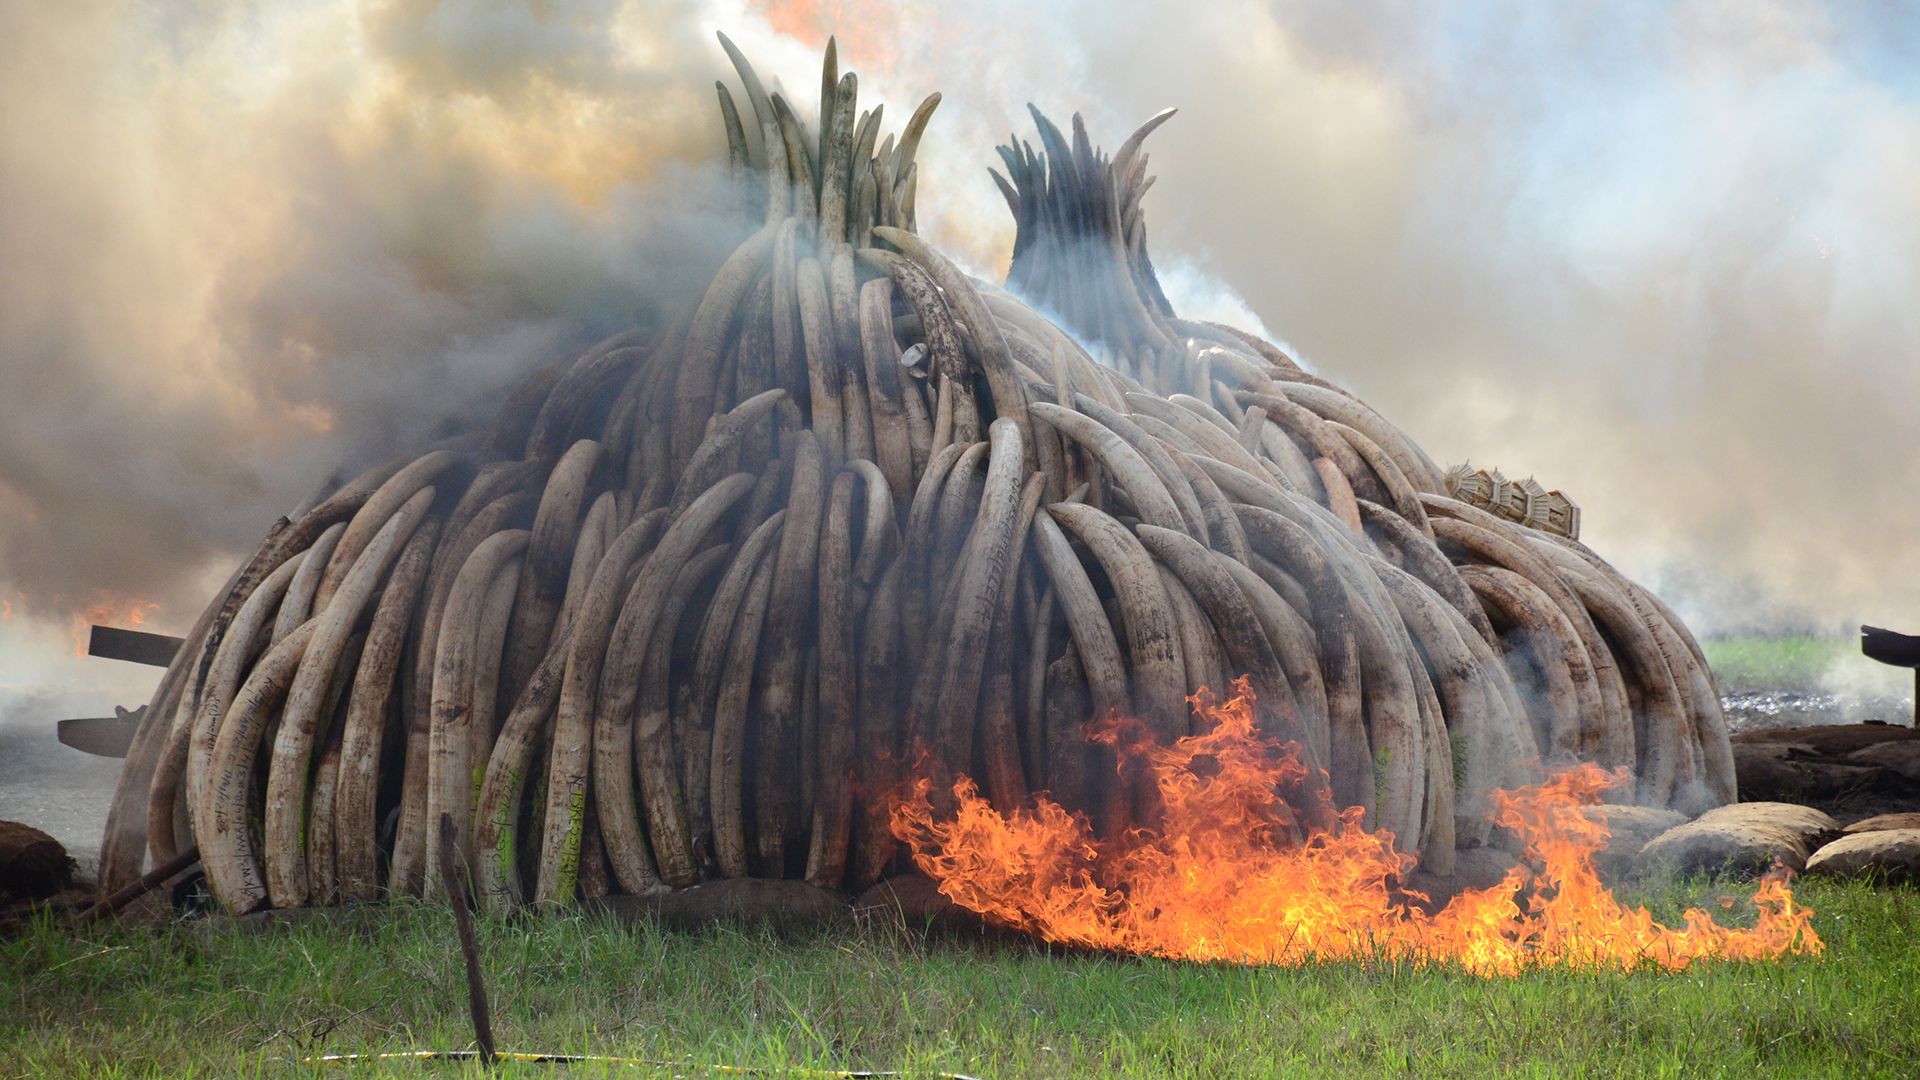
1229	875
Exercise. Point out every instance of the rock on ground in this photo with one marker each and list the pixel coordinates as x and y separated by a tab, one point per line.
1884	821
1844	768
1772	772
1629	828
1744	838
1881	855
1902	757
33	865
1834	740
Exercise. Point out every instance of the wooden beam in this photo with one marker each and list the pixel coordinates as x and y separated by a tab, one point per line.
136	646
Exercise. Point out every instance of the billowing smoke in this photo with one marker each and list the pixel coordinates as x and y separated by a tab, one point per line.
1663	255
248	244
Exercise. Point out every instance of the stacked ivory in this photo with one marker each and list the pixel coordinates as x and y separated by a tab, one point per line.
693	602
1603	670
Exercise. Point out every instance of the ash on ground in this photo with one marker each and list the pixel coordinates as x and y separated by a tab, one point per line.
48	785
1761	710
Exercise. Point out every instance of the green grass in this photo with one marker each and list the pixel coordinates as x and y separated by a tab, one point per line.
188	1002
1754	664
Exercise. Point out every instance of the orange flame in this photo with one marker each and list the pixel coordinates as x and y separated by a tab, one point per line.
108	610
1225	876
867	29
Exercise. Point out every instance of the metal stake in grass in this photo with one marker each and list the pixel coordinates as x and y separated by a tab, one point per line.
469	944
152	880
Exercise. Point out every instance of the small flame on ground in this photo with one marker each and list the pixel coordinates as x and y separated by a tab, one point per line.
1223	877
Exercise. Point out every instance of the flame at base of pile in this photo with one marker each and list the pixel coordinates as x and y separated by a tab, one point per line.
1229	875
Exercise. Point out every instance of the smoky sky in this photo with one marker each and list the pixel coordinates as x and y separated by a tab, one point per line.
1665	257
1661	256
245	245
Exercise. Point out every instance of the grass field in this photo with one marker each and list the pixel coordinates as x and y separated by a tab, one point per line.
1756	664
189	1002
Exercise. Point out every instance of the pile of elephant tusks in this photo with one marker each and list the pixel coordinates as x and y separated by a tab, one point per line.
695	601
